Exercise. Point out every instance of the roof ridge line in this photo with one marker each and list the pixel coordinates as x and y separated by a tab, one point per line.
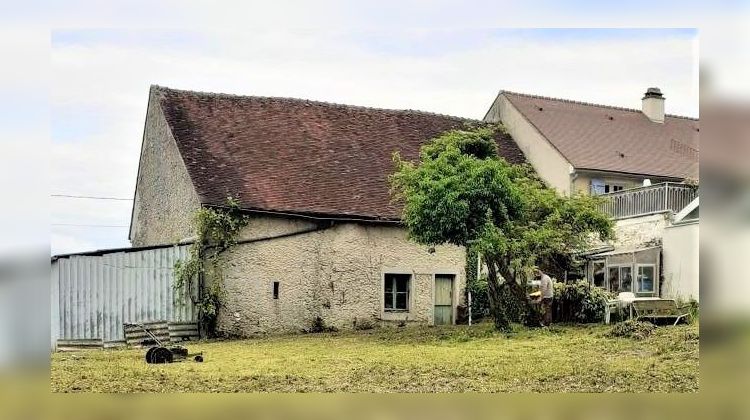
577	102
310	101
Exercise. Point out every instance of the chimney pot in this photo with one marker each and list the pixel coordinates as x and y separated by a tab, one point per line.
653	104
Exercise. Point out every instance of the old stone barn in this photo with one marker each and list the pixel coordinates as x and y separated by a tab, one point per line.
324	238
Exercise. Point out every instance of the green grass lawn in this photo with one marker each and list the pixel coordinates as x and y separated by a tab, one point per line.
413	359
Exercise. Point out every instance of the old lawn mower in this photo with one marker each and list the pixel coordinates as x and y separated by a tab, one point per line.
160	353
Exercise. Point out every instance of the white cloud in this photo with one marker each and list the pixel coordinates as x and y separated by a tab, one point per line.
68	243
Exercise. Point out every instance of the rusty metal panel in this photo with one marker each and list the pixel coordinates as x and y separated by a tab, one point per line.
94	295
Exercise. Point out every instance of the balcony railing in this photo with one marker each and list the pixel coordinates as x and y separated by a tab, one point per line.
648	200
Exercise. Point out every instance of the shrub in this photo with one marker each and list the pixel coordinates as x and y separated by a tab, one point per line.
362	324
579	302
693	308
318	325
637	330
480	304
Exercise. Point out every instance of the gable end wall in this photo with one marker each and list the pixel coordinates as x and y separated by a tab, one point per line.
165	198
551	166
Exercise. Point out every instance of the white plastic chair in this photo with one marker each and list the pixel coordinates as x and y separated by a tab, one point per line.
627	297
608	307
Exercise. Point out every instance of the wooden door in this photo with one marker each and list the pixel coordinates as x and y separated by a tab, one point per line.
443	299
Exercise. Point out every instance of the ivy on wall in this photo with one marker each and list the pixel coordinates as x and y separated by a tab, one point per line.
217	229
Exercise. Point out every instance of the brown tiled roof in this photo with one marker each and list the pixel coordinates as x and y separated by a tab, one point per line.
299	156
608	138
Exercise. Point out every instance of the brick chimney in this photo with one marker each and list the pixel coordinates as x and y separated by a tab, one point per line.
653	105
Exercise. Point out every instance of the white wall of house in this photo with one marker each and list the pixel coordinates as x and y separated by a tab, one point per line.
681	261
551	166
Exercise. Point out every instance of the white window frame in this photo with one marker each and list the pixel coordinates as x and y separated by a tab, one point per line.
596	186
619	274
630	266
600	186
606	273
611	187
638	282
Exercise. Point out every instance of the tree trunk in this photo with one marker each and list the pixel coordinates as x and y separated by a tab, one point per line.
527	313
493	293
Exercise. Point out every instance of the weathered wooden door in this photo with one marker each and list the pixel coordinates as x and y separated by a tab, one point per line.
443	299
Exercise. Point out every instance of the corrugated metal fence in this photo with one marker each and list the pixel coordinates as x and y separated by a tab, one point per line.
93	295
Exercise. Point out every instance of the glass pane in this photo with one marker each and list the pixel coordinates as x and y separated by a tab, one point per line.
402	283
388	300
401	301
388	283
614	279
646	279
598	274
626	279
597	186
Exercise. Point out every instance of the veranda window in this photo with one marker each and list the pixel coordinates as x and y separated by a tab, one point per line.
620	278
598	274
645	279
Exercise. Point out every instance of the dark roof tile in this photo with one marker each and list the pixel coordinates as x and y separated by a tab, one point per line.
608	138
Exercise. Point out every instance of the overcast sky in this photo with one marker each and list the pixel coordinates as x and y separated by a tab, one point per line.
100	81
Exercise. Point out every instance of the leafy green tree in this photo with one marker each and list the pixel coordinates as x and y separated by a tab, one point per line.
461	192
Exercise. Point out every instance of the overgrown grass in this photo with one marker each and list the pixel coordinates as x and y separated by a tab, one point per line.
414	359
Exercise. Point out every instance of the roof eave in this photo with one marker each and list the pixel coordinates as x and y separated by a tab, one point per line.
634	174
321	216
151	90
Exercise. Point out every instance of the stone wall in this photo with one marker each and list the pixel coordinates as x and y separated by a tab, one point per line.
335	273
165	199
636	231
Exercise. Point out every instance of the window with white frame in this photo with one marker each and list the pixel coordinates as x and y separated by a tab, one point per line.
396	292
645	282
613	187
626	278
597	186
597	274
613	279
620	278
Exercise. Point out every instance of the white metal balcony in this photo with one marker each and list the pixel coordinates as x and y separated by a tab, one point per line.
652	199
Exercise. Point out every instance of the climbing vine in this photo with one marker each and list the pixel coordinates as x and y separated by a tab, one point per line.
217	229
